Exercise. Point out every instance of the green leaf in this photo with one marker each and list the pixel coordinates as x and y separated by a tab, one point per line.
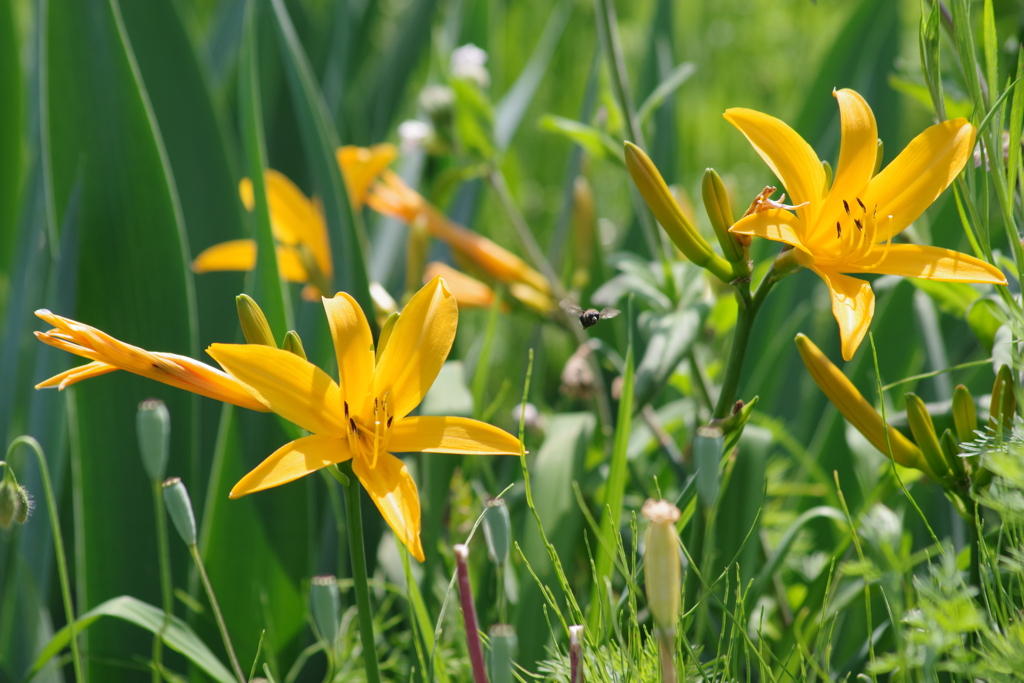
177	635
953	298
320	140
671	338
921	93
596	142
474	119
680	74
985	318
11	124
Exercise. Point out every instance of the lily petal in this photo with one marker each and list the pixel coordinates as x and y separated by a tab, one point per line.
469	292
353	345
774	224
77	374
231	255
787	154
297	215
930	263
291	461
916	178
392	489
360	166
459	435
290	386
857	152
417	348
853	305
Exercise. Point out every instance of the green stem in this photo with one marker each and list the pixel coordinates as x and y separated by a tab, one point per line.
58	547
358	554
975	539
748	307
166	587
194	549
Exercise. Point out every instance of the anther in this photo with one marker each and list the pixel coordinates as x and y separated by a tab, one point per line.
874	212
352	425
862	207
860	226
390	420
345	403
839	230
847	207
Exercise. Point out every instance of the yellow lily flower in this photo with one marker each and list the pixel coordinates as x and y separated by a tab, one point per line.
849	227
365	416
392	197
109	354
469	292
297	222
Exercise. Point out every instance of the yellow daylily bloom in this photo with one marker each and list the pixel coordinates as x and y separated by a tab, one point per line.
469	292
849	227
364	417
109	354
394	198
297	222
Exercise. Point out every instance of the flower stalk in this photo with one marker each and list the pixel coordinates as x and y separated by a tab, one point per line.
476	651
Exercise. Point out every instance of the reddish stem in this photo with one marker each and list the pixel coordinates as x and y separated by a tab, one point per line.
476	650
575	654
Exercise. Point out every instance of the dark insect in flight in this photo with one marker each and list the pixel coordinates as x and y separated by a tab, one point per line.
589	317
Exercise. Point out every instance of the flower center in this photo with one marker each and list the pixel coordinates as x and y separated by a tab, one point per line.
857	233
368	438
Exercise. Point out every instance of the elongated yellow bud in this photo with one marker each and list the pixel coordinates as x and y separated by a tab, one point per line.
683	233
856	409
662	567
254	324
716	203
927	440
965	415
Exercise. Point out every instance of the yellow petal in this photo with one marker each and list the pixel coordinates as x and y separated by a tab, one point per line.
232	255
774	224
853	304
291	461
857	152
459	435
77	374
469	292
297	218
360	166
787	154
289	265
532	298
417	348
393	491
930	263
290	386
916	178
353	346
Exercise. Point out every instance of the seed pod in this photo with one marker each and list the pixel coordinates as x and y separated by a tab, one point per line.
179	507
923	429
254	324
662	566
153	427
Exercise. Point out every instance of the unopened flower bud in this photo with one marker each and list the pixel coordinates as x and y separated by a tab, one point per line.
254	324
879	156
662	566
827	167
965	414
10	502
672	219
385	332
532	419
153	426
1004	400
716	203
25	505
504	644
293	344
179	507
923	429
497	530
951	453
325	604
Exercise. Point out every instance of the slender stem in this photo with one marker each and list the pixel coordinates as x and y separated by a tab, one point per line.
476	650
741	336
194	549
976	541
358	555
58	547
666	652
166	587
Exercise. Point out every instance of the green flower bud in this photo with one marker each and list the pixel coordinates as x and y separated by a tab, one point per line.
923	429
1004	400
153	427
716	203
385	332
965	415
662	566
497	530
325	604
879	156
672	219
504	644
10	502
951	451
254	324
827	167
179	507
707	454
24	506
293	343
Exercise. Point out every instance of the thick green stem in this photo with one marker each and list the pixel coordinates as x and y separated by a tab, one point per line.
58	547
166	587
748	307
194	549
358	555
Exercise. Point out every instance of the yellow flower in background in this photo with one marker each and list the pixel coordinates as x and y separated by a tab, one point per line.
469	292
108	354
364	417
300	231
392	197
849	227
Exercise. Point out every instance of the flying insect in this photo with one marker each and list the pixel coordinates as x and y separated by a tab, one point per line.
590	316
